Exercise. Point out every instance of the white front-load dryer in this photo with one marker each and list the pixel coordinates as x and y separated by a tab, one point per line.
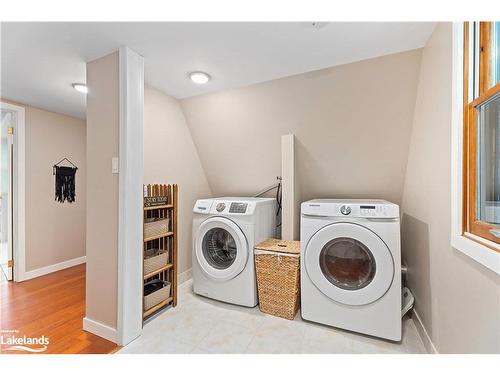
225	232
351	265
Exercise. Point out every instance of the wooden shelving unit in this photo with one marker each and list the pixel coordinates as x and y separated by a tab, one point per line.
157	272
160	235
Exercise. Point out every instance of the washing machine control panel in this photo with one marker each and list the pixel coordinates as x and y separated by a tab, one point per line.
238	208
202	206
220	206
375	209
369	211
217	206
345	210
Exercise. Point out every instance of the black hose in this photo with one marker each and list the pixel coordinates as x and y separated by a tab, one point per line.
278	198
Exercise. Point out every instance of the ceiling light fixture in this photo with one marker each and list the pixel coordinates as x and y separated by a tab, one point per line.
80	87
199	77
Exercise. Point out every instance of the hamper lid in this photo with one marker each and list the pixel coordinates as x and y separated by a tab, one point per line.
280	246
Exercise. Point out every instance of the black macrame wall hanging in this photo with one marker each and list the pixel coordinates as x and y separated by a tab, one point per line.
65	181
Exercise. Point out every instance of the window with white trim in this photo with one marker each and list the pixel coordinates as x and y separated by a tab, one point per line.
481	120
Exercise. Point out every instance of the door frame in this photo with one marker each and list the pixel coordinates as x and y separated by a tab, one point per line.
19	186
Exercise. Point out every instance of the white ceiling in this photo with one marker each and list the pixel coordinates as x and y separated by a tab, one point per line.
39	61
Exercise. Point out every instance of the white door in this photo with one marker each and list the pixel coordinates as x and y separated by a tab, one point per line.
221	248
6	156
349	263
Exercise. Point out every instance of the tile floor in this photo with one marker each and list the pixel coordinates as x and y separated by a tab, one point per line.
201	325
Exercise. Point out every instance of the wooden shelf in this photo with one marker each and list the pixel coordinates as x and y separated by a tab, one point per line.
166	234
159	207
151	274
155	308
166	196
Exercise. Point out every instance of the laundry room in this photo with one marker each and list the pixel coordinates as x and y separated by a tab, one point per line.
357	132
285	199
258	138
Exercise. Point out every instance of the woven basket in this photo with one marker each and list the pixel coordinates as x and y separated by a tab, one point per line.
155	228
277	265
155	298
154	259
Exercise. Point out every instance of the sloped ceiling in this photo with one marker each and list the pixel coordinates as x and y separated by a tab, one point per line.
40	61
352	125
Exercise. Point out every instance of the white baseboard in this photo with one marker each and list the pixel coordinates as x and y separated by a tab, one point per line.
184	276
53	268
100	329
424	335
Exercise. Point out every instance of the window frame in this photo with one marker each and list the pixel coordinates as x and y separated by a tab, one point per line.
477	249
476	91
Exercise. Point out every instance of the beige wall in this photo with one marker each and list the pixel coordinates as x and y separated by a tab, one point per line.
171	157
102	189
457	299
352	125
55	232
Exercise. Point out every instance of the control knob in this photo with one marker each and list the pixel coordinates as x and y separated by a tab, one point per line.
345	210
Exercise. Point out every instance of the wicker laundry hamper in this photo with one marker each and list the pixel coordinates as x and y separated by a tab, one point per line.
277	264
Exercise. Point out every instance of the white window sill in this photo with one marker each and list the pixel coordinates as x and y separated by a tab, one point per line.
477	251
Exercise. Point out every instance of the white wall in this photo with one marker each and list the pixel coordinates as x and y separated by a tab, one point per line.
171	157
457	299
352	125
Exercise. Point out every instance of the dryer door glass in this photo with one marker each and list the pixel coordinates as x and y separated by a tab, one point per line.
347	263
219	248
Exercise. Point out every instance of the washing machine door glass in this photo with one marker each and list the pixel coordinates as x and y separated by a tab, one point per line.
349	263
221	248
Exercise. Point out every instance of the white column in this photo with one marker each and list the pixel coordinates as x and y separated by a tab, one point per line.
291	200
130	204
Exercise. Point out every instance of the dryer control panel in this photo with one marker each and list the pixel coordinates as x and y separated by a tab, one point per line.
372	209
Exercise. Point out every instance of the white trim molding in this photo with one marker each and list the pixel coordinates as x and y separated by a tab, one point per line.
19	184
184	276
100	329
130	192
424	335
480	250
53	268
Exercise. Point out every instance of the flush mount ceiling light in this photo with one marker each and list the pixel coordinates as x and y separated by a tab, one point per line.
80	87
199	77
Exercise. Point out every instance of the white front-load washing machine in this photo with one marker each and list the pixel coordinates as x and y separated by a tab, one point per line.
225	232
351	265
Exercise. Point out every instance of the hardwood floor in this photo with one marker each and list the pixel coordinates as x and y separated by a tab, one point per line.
53	306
